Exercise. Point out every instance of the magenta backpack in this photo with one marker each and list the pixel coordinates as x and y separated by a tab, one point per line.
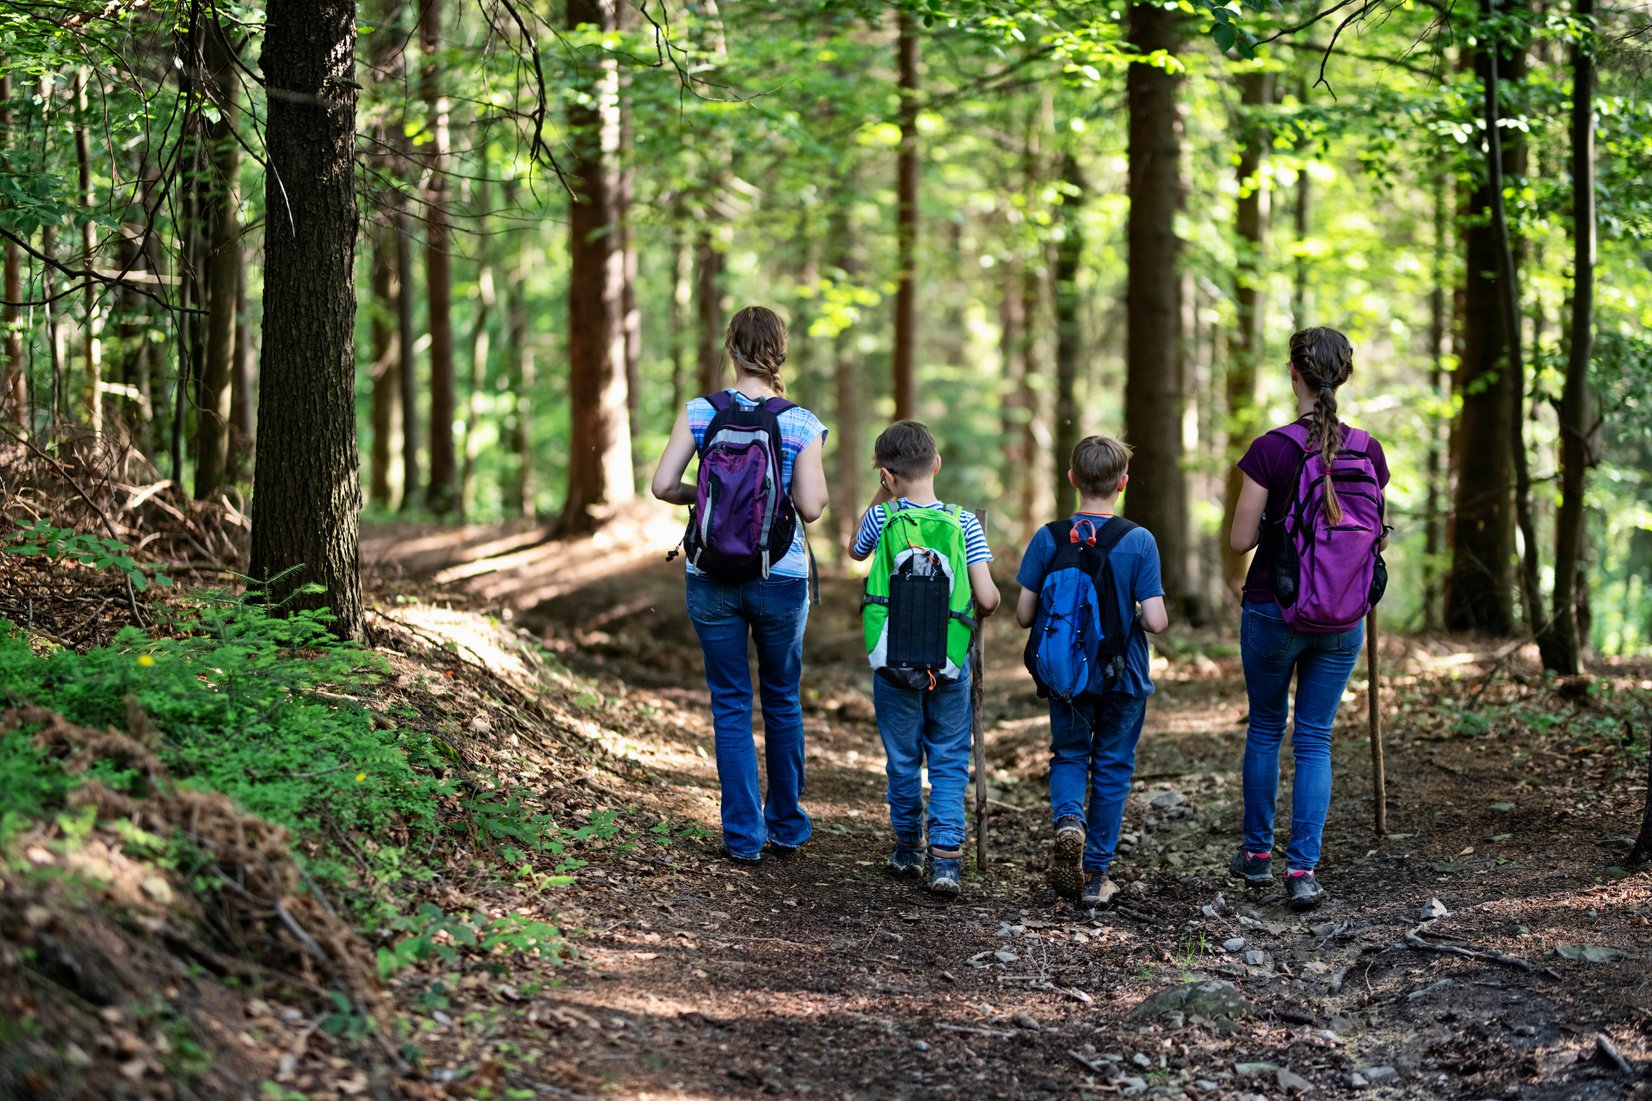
742	521
1328	576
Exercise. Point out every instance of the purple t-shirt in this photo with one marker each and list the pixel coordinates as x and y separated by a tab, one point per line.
1273	461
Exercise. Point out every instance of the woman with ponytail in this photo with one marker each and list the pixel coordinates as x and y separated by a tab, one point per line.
770	604
1272	650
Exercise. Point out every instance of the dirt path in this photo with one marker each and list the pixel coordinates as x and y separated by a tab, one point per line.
819	976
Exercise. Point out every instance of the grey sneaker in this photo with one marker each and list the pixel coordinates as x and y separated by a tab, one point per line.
1066	869
1302	891
1256	869
946	873
906	861
1098	890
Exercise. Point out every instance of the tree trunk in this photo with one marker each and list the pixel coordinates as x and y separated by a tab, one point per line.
92	334
480	348
1478	593
14	393
1302	215
212	419
709	308
1561	644
682	293
384	345
1069	330
1154	391
241	414
599	453
519	496
308	493
442	491
630	313
1250	279
1439	328
408	337
906	223
848	402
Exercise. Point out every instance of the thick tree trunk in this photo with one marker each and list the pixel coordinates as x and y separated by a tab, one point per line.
906	223
1069	331
442	491
384	345
1561	644
599	453
308	494
1154	392
1250	279
1479	591
212	419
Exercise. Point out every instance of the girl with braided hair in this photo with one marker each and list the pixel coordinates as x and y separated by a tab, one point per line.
770	609
1272	651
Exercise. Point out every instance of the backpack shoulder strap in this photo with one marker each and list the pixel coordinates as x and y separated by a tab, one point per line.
1112	531
1356	440
1059	530
778	406
1295	432
719	400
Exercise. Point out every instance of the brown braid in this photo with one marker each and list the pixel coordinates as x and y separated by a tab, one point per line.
1324	359
756	342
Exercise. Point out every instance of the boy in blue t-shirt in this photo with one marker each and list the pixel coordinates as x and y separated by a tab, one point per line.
920	726
1093	738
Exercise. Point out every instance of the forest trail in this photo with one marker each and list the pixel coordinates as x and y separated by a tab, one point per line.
820	976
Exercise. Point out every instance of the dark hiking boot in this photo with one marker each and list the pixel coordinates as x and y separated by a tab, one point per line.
1302	891
1256	869
743	858
906	862
1066	867
1098	890
946	872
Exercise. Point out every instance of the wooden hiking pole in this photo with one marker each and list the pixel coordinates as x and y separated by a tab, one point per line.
978	734
1373	667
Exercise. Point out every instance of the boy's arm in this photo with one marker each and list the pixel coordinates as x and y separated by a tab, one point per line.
866	536
1150	614
1026	607
985	590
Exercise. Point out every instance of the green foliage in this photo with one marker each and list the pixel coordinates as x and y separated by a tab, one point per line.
43	539
431	933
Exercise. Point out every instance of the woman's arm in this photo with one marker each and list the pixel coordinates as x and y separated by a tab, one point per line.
1247	515
809	493
668	484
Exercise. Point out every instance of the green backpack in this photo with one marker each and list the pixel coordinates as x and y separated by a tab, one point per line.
916	611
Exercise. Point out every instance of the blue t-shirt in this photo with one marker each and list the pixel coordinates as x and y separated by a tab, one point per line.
1135	562
798	429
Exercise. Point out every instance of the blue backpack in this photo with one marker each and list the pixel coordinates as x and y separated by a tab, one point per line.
1079	641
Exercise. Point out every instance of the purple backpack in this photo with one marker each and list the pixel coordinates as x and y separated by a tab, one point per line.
1328	576
742	521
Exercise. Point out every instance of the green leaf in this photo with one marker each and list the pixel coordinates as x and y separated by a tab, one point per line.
1225	35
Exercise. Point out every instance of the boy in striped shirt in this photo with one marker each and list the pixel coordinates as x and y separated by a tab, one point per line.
920	724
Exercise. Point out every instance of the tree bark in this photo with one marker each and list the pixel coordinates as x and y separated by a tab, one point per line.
308	494
1439	328
906	223
1069	331
1154	389
1480	588
409	363
92	333
442	491
519	497
14	394
599	454
848	401
1250	279
212	419
241	403
384	345
1561	644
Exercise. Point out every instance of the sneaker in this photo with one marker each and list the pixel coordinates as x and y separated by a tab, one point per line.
784	852
906	861
1256	869
743	858
1066	869
1302	891
1098	890
946	873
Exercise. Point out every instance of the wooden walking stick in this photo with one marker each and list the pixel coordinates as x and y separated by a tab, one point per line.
978	733
1373	666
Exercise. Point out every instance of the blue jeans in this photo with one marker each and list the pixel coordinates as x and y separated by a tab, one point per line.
773	612
1272	651
919	724
1093	749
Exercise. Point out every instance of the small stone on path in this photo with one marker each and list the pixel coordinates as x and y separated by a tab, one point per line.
1432	909
1233	944
1291	1082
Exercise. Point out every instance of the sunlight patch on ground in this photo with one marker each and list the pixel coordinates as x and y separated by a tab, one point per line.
478	637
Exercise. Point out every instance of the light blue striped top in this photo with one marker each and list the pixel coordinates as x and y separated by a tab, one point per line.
975	540
798	429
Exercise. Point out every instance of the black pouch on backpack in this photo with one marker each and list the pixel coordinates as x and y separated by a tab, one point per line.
1379	581
918	617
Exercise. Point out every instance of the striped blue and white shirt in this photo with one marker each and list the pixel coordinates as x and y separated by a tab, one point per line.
975	540
798	429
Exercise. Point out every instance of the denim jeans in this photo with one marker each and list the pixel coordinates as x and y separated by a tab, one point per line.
1093	750
919	725
1272	651
773	612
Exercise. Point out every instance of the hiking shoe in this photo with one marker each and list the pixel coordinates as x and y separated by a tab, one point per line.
1256	869
1066	869
1098	890
1302	891
907	861
946	873
743	858
784	852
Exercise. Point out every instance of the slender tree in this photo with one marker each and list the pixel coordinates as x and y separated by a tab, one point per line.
92	324
223	236
442	491
307	501
1069	329
906	221
384	346
14	394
